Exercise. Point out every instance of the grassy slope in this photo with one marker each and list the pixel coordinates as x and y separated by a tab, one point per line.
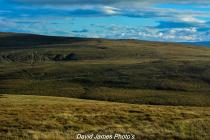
37	117
114	70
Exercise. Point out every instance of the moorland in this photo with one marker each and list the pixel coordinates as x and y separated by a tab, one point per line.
155	90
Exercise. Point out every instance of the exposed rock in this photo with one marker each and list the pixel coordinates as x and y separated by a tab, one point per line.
70	57
58	57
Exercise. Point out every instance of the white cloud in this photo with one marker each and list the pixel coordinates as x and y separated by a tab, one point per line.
192	19
177	25
173	35
139	3
111	10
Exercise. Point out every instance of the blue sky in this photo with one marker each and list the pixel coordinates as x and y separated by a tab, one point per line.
159	20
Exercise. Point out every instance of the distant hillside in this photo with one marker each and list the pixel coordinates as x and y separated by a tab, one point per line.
22	40
207	43
129	71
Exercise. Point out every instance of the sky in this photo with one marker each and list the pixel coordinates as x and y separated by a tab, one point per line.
157	20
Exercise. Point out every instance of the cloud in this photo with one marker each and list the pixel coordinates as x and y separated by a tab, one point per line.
138	3
85	12
168	23
111	10
148	33
186	23
174	24
131	8
183	34
80	31
6	24
112	31
192	20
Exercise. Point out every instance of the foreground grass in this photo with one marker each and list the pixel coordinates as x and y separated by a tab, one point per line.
37	117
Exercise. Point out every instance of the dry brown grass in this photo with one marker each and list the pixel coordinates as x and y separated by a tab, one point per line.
38	117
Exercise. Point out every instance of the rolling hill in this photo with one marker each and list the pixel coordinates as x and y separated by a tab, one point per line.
128	71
